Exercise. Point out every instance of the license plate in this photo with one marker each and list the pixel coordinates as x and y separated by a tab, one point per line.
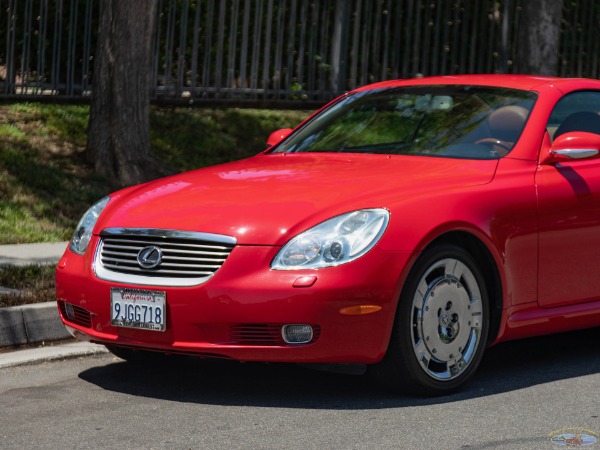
138	308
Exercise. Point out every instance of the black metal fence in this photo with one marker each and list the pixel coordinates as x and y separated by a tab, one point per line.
281	52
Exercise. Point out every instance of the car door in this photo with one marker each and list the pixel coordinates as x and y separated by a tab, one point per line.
569	211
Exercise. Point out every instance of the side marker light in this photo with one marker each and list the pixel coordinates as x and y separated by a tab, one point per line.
360	310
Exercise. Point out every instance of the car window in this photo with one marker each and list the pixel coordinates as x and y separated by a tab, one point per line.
578	111
451	121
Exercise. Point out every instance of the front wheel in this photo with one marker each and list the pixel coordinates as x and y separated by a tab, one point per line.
441	325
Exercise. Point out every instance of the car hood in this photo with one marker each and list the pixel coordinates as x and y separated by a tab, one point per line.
267	199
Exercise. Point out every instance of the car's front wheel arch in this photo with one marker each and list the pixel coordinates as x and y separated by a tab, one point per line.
402	368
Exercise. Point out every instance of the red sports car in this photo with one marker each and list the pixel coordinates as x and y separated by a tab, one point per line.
406	226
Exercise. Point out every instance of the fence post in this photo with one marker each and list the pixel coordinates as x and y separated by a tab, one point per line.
505	26
11	24
339	47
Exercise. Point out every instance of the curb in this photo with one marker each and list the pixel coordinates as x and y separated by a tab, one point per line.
39	323
31	324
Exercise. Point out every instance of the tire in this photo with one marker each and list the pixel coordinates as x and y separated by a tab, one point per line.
441	327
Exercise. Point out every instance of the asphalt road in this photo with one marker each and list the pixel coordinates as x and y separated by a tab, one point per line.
525	392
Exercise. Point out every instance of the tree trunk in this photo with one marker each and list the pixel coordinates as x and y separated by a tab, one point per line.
119	127
539	37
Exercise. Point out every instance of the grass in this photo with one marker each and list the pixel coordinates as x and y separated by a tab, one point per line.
46	182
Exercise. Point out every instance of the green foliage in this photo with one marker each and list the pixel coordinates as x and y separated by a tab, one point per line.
10	131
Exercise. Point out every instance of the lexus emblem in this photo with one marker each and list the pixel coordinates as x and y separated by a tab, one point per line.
149	257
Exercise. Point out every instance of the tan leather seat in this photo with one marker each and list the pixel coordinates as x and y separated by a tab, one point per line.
506	123
504	126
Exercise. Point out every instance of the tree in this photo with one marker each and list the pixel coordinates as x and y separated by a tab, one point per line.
539	37
119	126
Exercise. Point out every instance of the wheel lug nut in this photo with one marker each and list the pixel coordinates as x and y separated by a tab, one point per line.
434	351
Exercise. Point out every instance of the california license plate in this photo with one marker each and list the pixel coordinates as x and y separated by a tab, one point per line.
138	308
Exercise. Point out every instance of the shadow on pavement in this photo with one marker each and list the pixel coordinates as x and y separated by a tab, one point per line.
506	367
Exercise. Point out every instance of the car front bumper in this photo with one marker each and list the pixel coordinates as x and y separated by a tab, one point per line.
239	312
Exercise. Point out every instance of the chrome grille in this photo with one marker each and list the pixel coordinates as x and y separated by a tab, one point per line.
187	258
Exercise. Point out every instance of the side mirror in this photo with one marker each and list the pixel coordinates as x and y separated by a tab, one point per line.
277	136
573	146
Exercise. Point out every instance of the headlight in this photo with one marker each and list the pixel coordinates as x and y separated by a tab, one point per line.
83	232
335	241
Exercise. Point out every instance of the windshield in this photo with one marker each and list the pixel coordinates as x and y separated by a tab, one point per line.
451	121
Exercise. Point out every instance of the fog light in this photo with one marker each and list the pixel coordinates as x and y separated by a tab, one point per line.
297	334
70	311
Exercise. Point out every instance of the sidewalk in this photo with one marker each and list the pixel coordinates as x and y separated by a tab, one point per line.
27	254
38	323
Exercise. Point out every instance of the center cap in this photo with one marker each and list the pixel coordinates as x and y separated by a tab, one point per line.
444	319
449	328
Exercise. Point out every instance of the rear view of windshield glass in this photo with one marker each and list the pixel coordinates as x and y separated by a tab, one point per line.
452	121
